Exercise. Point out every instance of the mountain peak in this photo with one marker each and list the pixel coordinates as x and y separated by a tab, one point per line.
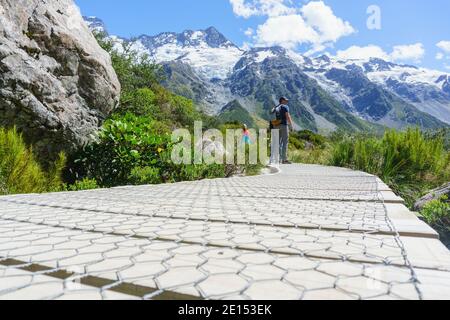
211	29
209	37
95	24
216	39
377	64
324	58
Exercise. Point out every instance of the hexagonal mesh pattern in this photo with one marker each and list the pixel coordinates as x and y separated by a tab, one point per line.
308	233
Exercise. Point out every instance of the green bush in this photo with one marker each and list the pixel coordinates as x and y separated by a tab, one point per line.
141	102
317	140
19	170
193	172
314	156
85	184
296	143
409	161
398	156
3	186
134	70
130	151
437	213
124	143
145	175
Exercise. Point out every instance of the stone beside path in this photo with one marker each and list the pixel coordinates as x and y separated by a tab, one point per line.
308	232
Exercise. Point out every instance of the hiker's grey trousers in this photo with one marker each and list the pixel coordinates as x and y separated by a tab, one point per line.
284	142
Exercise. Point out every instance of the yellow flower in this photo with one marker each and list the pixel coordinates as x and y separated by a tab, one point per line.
160	150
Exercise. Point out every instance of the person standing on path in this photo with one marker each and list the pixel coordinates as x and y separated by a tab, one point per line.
246	135
283	124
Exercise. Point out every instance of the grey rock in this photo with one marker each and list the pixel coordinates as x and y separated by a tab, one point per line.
56	83
433	195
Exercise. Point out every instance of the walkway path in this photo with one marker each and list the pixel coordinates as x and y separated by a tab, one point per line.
309	232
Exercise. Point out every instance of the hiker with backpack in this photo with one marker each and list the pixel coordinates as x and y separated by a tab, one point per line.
283	123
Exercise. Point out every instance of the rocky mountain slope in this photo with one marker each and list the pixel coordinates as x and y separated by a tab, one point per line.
325	93
384	86
56	83
234	111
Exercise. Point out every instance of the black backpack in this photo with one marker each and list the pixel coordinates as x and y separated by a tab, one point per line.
277	122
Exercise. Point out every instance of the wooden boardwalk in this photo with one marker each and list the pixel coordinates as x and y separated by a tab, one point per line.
307	232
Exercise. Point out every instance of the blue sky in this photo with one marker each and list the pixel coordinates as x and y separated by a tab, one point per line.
416	32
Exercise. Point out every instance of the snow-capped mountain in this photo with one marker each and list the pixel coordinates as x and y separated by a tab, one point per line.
95	24
326	93
207	51
425	89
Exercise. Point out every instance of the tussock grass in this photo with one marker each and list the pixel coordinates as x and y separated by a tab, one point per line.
409	161
19	170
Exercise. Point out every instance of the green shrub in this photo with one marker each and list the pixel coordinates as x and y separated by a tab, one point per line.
437	213
343	152
20	172
253	169
194	172
141	102
408	161
398	155
314	156
142	94
130	151
315	139
296	143
145	175
368	154
85	184
55	173
3	186
134	70
124	143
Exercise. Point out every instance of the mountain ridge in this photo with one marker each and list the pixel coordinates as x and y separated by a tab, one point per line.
326	93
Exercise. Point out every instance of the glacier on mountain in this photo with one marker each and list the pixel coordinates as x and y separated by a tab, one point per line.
216	60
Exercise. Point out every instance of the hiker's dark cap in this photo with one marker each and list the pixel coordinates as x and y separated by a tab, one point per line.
284	99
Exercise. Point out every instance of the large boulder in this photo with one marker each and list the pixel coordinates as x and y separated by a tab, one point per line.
433	195
56	83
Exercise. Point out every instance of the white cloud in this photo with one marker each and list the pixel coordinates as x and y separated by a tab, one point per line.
288	31
313	24
400	53
322	18
249	8
249	32
444	46
445	53
240	8
413	52
365	53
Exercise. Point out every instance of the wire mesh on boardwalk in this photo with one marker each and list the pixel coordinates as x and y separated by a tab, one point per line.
309	233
